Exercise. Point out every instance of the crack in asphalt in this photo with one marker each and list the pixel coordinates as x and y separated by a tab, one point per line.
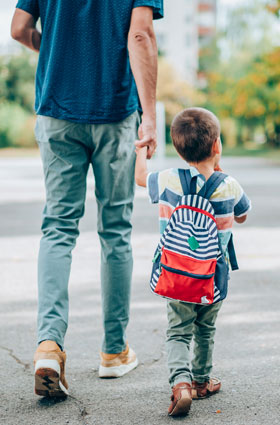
81	406
49	401
149	363
79	403
26	366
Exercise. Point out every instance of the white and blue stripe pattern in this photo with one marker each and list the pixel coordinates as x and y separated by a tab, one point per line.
154	280
185	223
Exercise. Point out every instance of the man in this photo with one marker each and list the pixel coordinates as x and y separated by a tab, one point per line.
87	106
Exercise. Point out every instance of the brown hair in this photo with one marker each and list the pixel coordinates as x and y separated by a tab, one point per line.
193	132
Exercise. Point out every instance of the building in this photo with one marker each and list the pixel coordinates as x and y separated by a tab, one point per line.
188	27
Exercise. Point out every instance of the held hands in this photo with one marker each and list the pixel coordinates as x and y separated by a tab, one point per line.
147	136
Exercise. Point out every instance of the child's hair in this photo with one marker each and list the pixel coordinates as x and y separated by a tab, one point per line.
193	132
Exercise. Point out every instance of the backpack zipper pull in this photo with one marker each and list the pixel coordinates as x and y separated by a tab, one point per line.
156	256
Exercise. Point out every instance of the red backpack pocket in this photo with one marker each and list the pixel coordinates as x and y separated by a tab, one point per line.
186	279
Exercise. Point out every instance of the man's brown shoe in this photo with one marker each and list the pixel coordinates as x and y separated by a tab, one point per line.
117	365
206	389
49	362
181	399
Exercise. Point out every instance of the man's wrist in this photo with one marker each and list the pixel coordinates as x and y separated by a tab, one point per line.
149	119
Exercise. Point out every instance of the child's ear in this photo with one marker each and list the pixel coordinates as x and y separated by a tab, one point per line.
217	147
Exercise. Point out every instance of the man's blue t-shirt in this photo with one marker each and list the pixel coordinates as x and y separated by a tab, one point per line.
83	72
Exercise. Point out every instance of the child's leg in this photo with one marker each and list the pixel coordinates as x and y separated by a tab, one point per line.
181	317
204	332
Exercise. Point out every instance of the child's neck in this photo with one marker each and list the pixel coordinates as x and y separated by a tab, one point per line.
206	168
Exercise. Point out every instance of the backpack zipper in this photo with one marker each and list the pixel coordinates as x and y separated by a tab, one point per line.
181	272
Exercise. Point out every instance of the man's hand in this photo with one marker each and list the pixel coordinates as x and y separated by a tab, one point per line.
147	136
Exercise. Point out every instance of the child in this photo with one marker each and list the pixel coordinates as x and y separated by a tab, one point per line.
195	134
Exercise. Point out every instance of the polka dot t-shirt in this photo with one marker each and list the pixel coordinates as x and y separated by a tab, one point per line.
83	72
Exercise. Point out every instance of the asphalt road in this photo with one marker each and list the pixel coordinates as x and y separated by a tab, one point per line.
247	342
22	195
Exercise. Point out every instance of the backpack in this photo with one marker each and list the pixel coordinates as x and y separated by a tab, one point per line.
189	264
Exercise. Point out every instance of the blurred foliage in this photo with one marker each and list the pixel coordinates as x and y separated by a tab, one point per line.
274	7
16	126
251	98
17	75
239	78
175	92
245	84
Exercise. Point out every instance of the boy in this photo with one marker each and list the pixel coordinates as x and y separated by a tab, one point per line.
195	134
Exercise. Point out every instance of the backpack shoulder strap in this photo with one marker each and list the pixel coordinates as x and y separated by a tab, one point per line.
212	183
185	179
232	255
207	191
189	183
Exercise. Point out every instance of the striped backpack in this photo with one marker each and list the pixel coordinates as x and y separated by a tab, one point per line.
189	264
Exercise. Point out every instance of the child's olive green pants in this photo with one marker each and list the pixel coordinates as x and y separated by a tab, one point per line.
67	150
187	321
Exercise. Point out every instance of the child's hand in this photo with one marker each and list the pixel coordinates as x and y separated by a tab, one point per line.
141	166
218	168
240	220
147	136
141	151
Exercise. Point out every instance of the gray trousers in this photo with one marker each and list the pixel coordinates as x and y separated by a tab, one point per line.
185	322
67	150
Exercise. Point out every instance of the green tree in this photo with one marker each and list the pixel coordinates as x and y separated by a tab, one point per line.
252	98
274	7
244	85
174	92
17	74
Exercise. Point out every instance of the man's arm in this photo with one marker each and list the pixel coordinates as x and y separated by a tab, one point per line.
23	29
143	60
141	171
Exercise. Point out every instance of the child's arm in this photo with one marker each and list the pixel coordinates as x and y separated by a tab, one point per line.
242	205
240	219
141	171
